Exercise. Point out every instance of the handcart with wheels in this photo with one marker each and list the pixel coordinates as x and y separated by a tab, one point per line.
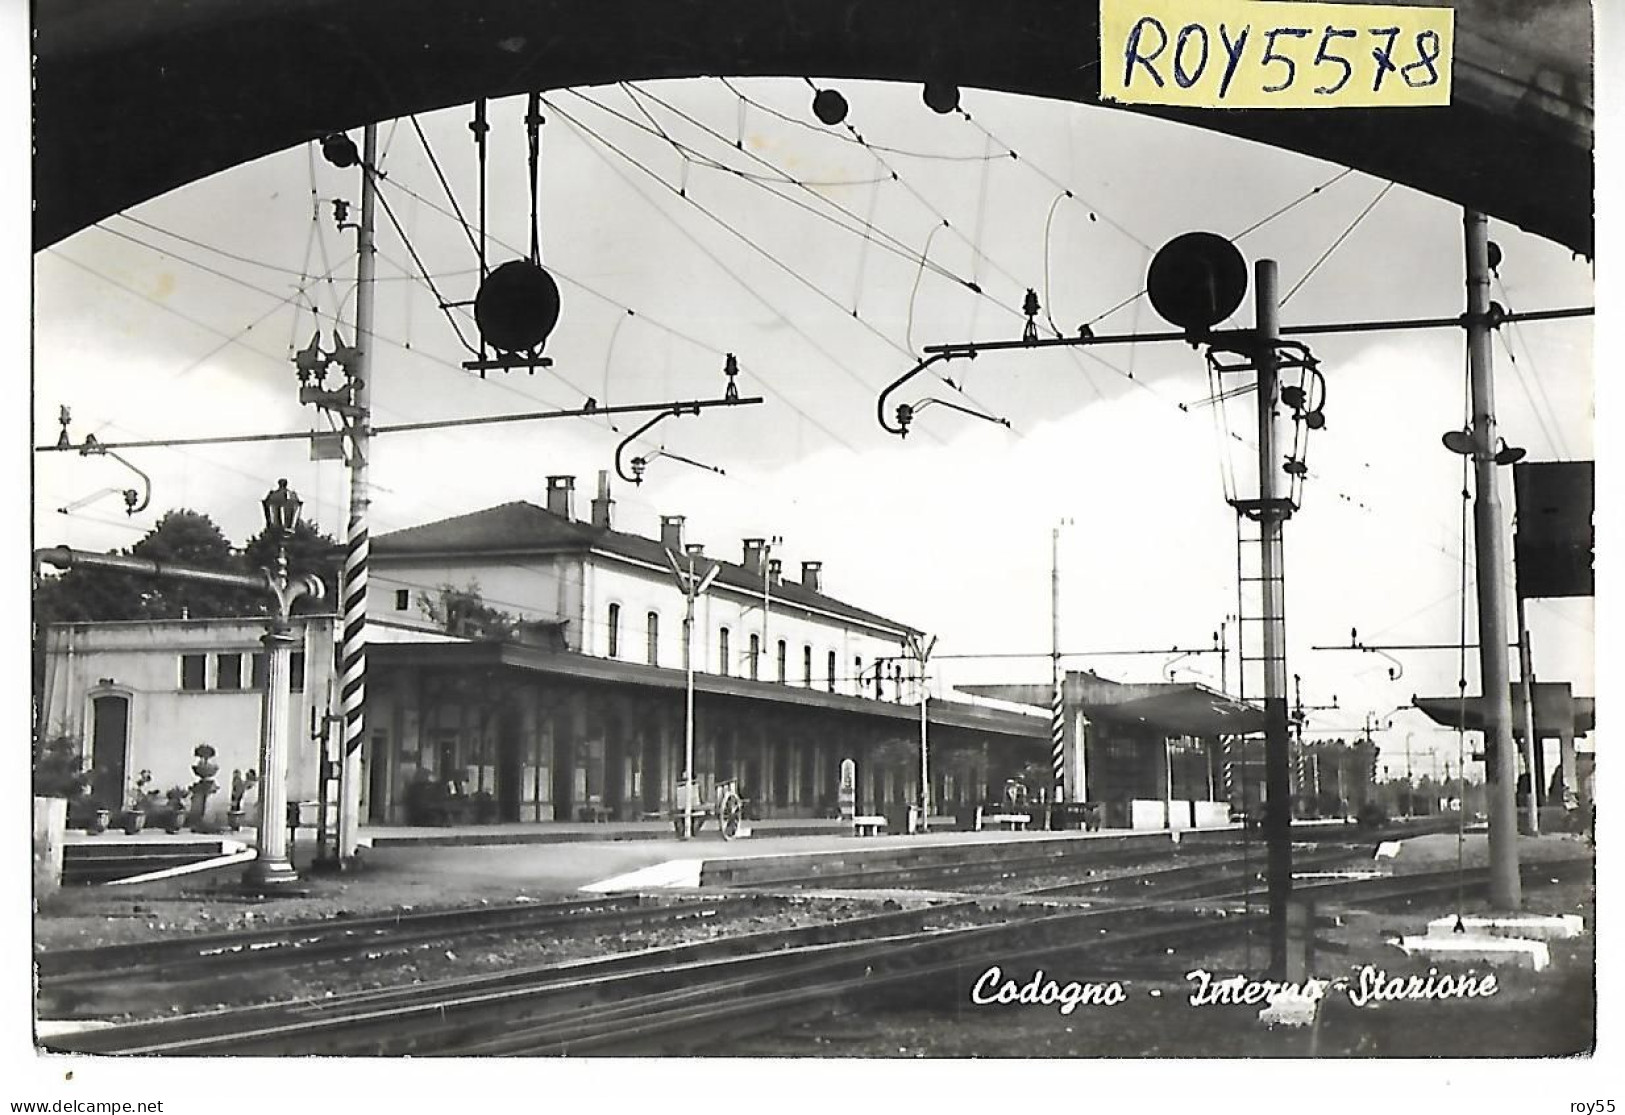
726	808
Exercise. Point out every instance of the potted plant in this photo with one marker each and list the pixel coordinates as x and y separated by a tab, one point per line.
59	779
174	808
205	768
135	817
241	783
95	814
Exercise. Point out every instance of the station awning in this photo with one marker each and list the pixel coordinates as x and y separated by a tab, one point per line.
1185	710
1557	711
1171	708
479	654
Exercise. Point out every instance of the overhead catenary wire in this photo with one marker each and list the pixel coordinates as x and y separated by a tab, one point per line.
1553	433
451	196
886	240
933	156
656	323
423	270
749	288
1335	244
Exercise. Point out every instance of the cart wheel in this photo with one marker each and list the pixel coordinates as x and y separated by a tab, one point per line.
729	816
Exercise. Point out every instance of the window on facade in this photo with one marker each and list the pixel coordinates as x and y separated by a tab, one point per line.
614	630
403	598
755	657
228	671
654	638
784	668
857	675
722	651
296	671
256	672
806	666
831	671
194	671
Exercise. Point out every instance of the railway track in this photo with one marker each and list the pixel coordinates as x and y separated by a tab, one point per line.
684	998
112	980
88	982
1208	846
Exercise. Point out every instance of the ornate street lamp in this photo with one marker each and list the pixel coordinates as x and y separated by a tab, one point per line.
272	868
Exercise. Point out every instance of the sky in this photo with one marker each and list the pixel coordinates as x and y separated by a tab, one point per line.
687	220
949	530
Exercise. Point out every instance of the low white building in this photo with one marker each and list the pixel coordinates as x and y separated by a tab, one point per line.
141	695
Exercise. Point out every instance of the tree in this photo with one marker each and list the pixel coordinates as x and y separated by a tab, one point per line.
191	538
464	612
310	550
184	537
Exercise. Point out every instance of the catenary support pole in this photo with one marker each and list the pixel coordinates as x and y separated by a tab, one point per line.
1526	687
1489	546
688	704
353	645
1272	511
1057	715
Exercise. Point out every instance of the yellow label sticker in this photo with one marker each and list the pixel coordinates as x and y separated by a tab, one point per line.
1270	54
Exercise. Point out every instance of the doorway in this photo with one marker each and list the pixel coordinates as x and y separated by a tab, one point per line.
509	772
109	745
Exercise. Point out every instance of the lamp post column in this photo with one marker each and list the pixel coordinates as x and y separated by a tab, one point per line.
271	867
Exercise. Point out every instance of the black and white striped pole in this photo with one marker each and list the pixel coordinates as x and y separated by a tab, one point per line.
1057	723
353	590
351	401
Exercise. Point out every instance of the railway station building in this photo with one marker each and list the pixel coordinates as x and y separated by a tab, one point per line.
526	664
534	665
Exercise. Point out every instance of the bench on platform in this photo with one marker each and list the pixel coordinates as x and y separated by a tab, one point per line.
868	826
1009	821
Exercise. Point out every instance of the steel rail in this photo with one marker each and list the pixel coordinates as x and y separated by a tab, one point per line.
465	1016
692	1018
302	942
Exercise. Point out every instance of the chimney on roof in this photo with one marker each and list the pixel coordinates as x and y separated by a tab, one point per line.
602	505
775	571
812	576
671	533
561	496
694	549
755	549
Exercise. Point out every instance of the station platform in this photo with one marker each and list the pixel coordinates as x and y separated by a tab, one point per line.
627	856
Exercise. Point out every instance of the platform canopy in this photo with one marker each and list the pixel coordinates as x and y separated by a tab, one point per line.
1557	711
134	98
1169	708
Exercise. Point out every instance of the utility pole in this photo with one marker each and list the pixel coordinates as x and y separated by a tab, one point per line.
1526	686
353	592
691	588
1057	724
921	649
767	589
1500	767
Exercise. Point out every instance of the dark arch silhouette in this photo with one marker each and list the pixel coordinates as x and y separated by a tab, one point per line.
136	97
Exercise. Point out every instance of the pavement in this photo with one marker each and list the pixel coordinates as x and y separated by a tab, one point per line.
562	856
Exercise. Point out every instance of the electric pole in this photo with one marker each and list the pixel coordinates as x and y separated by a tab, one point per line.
1272	513
353	592
691	587
1500	763
920	648
1057	726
